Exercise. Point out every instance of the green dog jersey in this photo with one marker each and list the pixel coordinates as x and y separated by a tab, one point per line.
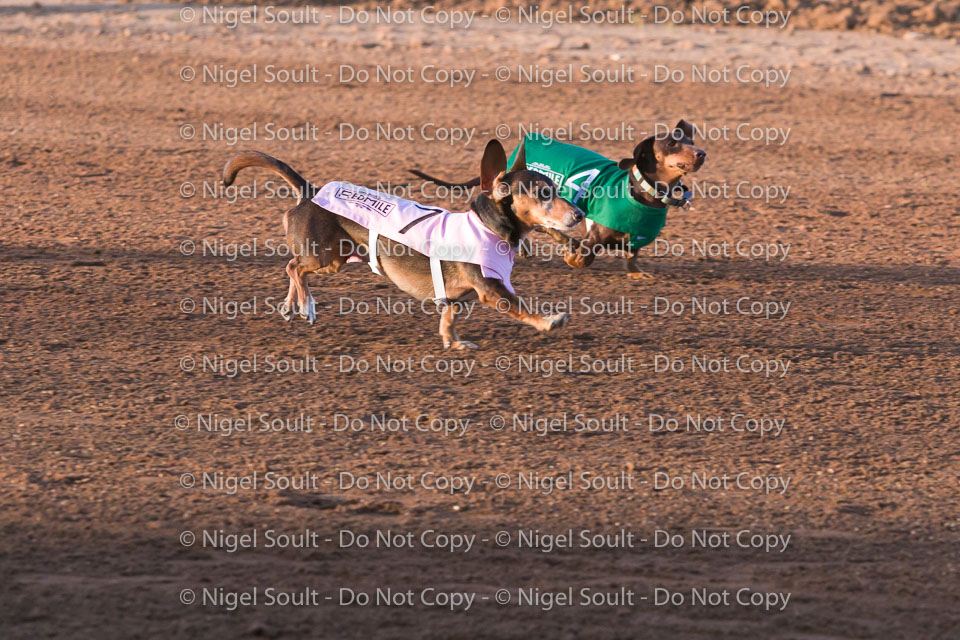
595	184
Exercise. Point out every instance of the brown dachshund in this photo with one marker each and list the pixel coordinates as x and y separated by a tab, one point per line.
509	206
625	202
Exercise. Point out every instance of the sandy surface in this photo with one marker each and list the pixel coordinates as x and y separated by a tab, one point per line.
93	278
939	17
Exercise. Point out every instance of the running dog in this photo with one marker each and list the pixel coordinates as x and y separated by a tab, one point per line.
625	202
426	251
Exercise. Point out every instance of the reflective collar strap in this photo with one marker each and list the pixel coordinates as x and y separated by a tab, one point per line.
372	243
436	273
666	199
436	269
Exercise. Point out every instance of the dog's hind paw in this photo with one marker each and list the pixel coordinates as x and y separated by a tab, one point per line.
309	310
458	344
557	320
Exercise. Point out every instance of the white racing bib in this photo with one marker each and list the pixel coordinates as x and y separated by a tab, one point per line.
437	233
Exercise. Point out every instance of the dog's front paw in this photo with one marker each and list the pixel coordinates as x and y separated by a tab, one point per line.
556	321
459	344
284	311
639	275
574	259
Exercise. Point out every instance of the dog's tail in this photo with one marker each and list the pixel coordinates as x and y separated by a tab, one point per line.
443	183
259	159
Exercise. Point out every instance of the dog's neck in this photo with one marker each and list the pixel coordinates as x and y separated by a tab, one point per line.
499	217
657	181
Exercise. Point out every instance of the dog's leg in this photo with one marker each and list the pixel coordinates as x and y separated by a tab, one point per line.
334	261
313	236
582	255
493	294
633	271
285	308
308	308
447	331
571	244
298	277
292	271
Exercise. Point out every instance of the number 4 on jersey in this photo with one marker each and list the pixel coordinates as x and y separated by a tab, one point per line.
579	189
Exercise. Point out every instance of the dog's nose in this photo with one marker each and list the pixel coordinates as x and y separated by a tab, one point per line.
701	154
577	215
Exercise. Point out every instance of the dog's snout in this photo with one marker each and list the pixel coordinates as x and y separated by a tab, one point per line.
574	217
701	154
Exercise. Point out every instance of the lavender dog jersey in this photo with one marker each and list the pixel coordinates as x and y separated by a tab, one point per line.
437	233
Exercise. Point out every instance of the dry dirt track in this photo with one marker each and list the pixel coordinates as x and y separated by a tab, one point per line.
91	511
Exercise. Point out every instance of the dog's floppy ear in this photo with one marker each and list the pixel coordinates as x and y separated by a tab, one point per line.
686	128
643	156
494	163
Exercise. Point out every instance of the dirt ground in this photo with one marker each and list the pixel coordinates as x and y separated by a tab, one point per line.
96	525
937	17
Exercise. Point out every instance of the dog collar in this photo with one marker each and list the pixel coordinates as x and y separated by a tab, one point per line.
666	198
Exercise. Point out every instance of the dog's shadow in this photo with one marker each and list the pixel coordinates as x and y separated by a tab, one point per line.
921	275
711	270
